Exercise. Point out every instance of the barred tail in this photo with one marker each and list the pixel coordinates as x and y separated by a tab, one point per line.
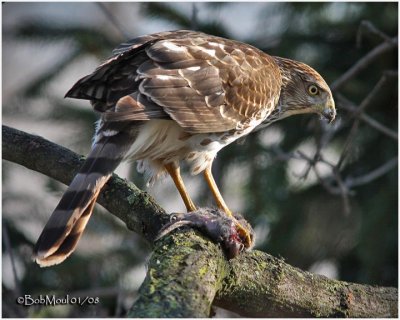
68	221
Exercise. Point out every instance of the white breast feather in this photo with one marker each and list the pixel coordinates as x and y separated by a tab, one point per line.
160	142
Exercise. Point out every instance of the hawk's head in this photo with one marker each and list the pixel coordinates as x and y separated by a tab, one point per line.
303	91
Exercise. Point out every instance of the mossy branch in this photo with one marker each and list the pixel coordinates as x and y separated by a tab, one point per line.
187	273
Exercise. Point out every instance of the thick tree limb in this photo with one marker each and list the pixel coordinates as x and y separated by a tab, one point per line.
187	273
122	198
280	290
184	274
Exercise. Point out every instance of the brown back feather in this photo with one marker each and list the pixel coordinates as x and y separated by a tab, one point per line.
204	83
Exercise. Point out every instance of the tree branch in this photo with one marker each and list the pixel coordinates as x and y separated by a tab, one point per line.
122	198
374	174
184	274
360	109
187	273
364	62
123	34
351	107
366	25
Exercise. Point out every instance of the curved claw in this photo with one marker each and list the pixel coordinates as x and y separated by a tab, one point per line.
169	227
245	231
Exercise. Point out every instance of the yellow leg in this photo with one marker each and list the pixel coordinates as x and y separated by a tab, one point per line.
175	174
222	205
215	191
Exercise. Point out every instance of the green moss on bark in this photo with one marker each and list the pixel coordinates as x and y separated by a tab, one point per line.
184	273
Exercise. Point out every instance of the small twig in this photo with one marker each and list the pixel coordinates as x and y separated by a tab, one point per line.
350	106
344	191
375	92
380	127
348	144
311	163
350	182
374	174
391	73
194	25
369	26
281	155
341	190
123	34
364	62
317	158
327	185
324	182
357	112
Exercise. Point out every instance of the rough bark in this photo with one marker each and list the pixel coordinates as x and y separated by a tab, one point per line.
187	273
184	274
122	198
280	290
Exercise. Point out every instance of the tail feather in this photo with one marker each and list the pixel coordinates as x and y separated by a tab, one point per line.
68	221
68	244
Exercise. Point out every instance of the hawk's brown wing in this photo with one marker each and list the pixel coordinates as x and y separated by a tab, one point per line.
204	83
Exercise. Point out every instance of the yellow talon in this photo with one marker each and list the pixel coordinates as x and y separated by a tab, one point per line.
245	235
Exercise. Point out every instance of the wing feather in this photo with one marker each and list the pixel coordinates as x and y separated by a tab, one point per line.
204	83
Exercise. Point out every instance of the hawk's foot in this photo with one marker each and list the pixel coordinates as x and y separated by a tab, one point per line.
234	233
245	231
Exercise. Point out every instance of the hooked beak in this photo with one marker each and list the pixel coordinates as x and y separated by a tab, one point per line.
329	111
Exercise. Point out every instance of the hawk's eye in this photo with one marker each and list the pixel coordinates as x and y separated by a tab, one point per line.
313	90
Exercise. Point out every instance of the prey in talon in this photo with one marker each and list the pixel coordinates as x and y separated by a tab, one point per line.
215	224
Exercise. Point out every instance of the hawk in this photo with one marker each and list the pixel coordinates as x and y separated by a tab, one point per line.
177	96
